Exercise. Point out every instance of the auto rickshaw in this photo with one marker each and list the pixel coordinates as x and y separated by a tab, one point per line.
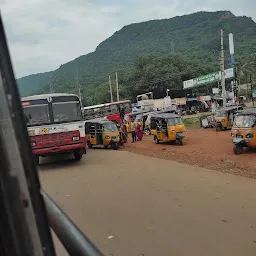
101	132
150	125
224	117
243	132
131	117
170	128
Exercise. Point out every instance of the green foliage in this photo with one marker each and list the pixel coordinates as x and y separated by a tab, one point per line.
158	73
191	38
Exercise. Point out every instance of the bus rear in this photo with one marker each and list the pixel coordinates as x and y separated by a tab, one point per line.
55	124
114	111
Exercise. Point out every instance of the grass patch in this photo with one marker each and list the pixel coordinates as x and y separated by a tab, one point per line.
192	122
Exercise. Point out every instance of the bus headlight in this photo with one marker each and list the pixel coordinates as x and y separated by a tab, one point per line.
76	138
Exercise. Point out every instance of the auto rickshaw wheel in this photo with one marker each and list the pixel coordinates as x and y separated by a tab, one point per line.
218	128
147	132
238	149
89	144
156	139
180	142
78	156
114	146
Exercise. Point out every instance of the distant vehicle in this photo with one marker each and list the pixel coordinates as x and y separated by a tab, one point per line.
55	124
114	111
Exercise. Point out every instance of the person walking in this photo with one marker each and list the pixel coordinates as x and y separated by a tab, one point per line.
133	130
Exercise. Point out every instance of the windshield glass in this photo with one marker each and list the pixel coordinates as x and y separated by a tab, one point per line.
220	113
245	121
138	118
175	121
110	127
66	111
37	114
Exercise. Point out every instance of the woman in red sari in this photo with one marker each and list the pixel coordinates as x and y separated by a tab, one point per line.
139	132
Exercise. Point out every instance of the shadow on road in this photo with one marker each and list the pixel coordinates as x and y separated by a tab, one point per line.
57	162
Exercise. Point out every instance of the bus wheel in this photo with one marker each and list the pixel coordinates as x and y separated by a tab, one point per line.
238	149
36	159
78	156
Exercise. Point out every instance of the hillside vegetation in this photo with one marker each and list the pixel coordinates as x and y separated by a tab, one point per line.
174	49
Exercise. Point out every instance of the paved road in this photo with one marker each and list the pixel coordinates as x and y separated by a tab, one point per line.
133	205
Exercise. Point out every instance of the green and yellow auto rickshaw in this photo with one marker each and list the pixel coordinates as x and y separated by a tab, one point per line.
101	132
243	132
224	117
169	128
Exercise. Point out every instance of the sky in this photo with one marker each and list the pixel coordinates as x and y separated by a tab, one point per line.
43	34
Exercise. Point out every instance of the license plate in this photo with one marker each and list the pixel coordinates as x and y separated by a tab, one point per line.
31	132
45	130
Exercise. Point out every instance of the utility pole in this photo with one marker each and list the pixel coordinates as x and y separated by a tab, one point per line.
110	88
117	88
251	89
78	86
222	68
51	85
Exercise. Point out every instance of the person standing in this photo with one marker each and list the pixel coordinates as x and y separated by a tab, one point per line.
139	132
133	130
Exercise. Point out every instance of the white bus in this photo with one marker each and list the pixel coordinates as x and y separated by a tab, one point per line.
55	124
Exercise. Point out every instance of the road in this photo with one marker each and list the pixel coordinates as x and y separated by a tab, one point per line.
133	205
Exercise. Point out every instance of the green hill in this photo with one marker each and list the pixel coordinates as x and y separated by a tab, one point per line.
195	36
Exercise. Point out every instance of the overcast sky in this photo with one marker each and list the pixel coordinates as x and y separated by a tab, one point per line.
43	34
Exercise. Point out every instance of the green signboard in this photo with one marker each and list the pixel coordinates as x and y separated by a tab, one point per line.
207	79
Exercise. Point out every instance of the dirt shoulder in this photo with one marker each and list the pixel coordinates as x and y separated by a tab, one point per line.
204	148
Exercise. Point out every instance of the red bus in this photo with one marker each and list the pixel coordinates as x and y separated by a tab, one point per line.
112	111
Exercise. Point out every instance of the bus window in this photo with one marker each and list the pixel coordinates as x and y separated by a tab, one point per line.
114	109
127	107
105	110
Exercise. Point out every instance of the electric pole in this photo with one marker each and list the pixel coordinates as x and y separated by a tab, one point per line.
117	88
222	68
110	88
78	85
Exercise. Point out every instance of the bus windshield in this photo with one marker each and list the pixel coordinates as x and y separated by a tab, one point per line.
66	112
37	114
110	127
246	121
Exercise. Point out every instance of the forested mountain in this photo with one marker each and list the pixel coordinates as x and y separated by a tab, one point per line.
193	39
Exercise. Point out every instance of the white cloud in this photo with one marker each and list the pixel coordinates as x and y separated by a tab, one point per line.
43	34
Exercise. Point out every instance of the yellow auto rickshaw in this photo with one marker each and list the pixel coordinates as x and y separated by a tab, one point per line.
224	117
170	128
243	132
150	124
131	117
101	132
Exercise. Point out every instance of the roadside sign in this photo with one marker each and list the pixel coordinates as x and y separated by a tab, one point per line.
206	79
